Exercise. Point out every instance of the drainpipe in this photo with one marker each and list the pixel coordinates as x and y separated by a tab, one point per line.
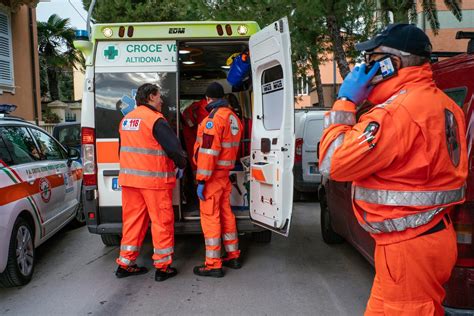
33	65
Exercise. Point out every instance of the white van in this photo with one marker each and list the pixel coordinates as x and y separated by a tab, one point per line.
309	125
183	58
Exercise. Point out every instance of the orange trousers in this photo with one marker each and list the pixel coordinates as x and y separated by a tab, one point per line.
409	275
138	207
217	219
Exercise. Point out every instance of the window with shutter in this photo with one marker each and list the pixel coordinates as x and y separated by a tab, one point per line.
6	55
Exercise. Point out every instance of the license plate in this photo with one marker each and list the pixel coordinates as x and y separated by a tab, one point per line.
115	185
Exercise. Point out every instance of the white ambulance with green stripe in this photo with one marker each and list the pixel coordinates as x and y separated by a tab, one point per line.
182	58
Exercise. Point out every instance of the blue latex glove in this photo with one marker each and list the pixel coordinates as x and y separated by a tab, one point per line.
179	173
356	86
200	191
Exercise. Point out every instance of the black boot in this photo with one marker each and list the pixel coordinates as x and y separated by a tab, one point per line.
164	274
123	272
232	263
208	272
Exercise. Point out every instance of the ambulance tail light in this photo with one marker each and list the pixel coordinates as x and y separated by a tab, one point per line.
463	221
88	156
299	150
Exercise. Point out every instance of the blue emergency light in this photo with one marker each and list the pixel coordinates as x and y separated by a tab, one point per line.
7	108
82	35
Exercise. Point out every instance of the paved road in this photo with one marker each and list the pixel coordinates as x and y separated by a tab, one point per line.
299	275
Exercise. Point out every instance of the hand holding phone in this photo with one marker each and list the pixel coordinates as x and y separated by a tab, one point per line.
386	70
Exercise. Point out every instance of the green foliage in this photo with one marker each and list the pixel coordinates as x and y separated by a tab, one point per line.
146	10
56	51
50	117
66	85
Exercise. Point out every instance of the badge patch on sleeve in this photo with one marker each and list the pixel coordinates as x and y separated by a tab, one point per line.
369	134
131	124
209	124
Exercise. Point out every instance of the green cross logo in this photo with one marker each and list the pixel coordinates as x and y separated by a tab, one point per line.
111	52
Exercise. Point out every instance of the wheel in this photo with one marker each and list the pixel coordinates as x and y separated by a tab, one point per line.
329	235
111	239
21	256
80	219
262	237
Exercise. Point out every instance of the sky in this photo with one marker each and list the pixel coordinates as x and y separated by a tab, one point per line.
63	8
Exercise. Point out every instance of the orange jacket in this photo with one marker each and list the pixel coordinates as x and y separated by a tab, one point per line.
143	162
217	142
406	156
192	116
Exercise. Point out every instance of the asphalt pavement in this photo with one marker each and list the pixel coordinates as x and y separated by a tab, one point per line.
298	275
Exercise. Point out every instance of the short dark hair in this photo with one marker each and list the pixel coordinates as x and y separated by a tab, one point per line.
144	91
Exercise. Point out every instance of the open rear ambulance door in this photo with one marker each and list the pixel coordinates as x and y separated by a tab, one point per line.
273	139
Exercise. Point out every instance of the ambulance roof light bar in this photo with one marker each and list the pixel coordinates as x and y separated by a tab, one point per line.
7	109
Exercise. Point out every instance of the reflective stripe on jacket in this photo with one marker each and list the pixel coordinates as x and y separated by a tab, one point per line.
217	142
143	162
407	156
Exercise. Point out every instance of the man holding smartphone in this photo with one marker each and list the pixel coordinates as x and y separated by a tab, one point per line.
407	159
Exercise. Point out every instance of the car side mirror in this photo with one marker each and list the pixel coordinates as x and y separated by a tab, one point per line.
73	154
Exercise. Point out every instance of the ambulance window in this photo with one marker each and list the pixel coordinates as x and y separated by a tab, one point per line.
20	145
4	154
48	146
115	97
272	97
457	94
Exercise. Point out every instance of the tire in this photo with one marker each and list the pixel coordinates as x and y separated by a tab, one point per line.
111	239
80	218
329	235
263	237
19	271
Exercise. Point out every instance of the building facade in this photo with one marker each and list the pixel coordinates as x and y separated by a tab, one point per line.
19	62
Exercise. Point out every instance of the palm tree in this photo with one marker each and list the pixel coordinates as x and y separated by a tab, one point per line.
405	11
56	50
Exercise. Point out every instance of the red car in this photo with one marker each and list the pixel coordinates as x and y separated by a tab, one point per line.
455	76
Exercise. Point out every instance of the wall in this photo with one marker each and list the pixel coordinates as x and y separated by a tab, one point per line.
23	96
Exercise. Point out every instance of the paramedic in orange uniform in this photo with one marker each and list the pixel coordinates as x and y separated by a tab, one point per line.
149	153
407	159
215	152
192	116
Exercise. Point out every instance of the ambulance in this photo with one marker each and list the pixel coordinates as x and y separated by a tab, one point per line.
183	58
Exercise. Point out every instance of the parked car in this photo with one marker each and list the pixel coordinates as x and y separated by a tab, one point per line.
308	131
40	190
338	222
68	134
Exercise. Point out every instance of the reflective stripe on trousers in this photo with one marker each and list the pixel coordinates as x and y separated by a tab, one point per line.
163	251
339	117
162	260
145	151
408	198
213	253
212	241
400	224
144	173
231	247
325	167
125	261
129	248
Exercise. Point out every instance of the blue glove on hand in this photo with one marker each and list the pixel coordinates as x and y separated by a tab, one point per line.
179	173
356	86
200	191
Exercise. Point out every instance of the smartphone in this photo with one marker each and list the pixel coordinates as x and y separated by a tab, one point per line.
386	70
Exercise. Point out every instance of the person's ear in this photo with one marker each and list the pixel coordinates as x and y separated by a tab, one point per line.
397	62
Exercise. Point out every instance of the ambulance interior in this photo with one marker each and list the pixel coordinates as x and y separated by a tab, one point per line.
201	63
